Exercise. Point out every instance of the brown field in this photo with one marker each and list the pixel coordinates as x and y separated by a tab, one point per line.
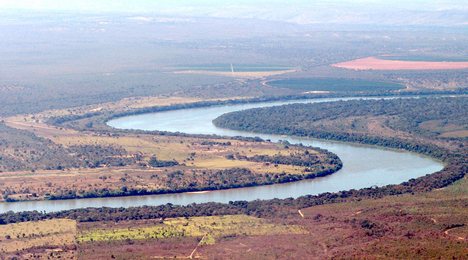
373	63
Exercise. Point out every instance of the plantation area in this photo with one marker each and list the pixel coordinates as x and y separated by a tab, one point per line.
334	85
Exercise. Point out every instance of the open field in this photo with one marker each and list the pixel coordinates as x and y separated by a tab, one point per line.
237	70
373	63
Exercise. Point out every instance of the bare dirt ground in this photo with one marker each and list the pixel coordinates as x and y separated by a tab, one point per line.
373	63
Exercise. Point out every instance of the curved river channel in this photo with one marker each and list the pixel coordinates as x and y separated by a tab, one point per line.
363	166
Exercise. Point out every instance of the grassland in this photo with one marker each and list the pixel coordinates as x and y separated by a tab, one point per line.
334	85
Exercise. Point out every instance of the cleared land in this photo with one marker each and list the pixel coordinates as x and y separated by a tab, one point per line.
374	63
237	71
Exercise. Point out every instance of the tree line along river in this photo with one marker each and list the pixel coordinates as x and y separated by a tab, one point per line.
363	166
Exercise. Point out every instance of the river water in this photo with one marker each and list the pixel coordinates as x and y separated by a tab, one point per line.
363	166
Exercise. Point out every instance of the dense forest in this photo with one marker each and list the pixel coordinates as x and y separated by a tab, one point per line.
311	119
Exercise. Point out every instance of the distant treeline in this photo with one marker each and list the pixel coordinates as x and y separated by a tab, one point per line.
109	116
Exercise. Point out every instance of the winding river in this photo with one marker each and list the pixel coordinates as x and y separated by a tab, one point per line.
363	166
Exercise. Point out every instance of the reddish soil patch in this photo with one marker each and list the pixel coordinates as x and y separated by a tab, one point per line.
138	249
373	63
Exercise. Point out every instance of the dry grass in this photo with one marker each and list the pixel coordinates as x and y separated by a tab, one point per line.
50	234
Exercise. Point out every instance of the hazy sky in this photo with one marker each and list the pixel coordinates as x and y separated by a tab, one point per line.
296	11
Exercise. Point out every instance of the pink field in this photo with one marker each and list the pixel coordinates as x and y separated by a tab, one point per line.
373	63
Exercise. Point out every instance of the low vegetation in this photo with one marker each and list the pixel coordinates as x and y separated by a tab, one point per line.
209	228
335	85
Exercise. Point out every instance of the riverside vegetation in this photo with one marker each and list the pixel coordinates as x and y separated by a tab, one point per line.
428	219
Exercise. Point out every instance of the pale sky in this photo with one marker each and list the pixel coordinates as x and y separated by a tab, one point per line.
158	5
296	11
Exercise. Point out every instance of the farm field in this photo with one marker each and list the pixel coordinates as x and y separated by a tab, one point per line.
236	71
326	85
376	63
